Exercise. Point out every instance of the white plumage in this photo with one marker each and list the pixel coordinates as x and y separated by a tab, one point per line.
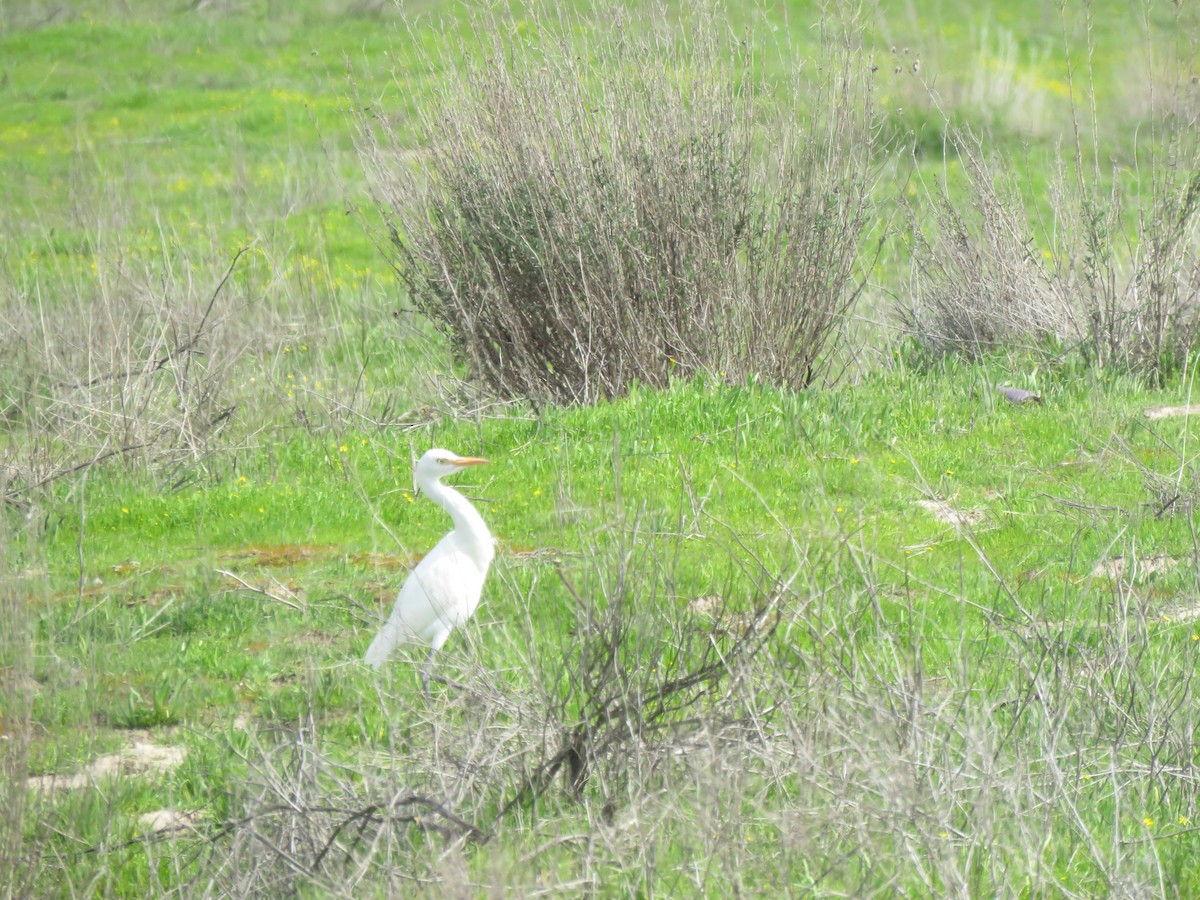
442	592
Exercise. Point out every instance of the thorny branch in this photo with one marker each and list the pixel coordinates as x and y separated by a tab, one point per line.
615	716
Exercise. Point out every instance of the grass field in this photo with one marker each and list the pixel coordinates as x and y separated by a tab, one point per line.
888	635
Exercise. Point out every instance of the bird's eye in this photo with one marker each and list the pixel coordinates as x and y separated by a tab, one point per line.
444	462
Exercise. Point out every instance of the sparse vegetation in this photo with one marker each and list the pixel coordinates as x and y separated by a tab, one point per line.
895	635
1103	265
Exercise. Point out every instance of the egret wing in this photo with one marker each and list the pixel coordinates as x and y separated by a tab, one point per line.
439	594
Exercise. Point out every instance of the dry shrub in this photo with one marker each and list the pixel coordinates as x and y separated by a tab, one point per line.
18	599
637	675
978	280
1172	483
630	205
136	361
1109	268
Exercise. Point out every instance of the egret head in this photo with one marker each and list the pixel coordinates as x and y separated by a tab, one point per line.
438	463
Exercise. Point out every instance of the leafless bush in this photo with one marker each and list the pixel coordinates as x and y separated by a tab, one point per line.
1141	302
132	364
1110	271
578	220
1175	491
979	281
638	677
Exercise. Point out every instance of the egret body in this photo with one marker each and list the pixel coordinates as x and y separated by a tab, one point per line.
443	591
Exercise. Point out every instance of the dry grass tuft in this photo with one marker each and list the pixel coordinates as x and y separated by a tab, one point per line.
134	365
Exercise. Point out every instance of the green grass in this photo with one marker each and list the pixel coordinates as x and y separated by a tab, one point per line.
161	641
940	709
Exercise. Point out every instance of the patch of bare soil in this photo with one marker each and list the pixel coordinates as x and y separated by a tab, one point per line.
1187	613
708	605
944	512
1166	412
535	554
169	820
380	560
1142	567
279	555
713	607
143	758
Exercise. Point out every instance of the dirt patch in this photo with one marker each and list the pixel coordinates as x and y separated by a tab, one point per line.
16	682
713	607
1166	412
288	593
282	555
381	560
1141	567
143	758
1189	613
708	605
266	585
279	555
316	639
944	512
535	554
157	596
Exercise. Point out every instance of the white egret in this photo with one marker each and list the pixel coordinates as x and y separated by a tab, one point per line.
443	590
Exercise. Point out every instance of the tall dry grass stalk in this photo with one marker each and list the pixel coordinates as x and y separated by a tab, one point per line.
19	580
636	203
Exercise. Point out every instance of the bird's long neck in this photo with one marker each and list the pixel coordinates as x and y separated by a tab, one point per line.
468	524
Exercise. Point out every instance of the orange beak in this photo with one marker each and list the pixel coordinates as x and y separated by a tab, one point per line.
471	461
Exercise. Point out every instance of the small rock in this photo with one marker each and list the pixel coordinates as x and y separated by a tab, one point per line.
1166	412
1017	395
168	820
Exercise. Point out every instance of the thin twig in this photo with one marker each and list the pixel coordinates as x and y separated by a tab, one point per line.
257	590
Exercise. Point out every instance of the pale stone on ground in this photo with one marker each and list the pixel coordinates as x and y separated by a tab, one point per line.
141	759
1164	412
